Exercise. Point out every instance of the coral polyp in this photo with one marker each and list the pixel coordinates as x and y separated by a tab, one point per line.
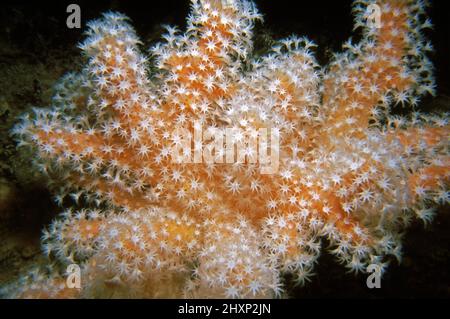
143	223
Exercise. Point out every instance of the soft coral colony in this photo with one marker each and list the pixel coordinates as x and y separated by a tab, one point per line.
351	176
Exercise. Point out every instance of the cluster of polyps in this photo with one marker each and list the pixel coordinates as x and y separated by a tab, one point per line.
144	225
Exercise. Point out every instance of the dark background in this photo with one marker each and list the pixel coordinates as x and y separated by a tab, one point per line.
36	31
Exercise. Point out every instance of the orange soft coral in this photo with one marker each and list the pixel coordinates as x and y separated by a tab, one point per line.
153	226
